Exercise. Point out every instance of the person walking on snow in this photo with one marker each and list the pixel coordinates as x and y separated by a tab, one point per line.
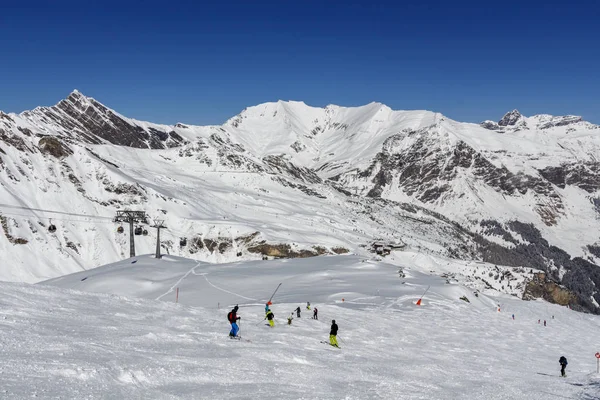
315	312
298	312
270	317
563	364
333	334
308	305
544	322
232	317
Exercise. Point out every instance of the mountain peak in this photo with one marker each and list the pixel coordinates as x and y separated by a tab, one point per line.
510	118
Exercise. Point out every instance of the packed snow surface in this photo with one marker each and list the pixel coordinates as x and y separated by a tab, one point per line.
58	341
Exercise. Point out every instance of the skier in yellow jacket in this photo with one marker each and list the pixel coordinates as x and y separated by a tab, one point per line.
270	317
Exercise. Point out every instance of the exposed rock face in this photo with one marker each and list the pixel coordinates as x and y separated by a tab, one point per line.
491	125
424	171
555	121
577	286
540	287
54	146
83	118
510	118
282	250
584	175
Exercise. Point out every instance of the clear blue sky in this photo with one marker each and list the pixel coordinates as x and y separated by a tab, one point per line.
174	61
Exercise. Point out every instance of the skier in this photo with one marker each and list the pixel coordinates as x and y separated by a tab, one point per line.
270	317
290	318
298	312
563	364
315	312
308	305
333	334
232	317
544	322
513	316
266	308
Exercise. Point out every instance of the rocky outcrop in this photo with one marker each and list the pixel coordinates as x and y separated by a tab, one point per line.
541	288
510	118
491	125
84	119
14	240
424	171
584	175
54	146
580	278
552	121
281	250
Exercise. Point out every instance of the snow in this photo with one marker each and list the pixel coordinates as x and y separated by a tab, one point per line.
61	342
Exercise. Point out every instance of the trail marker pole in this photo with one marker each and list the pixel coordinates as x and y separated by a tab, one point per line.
177	296
269	302
426	290
598	363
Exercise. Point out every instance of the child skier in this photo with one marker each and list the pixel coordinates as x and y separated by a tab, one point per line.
232	317
563	364
270	317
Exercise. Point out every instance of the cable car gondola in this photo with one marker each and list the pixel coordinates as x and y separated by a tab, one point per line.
52	228
120	229
182	242
138	230
145	232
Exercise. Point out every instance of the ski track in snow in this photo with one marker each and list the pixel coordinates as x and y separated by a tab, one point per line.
224	290
172	288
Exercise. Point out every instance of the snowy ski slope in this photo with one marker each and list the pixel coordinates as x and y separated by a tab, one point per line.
132	341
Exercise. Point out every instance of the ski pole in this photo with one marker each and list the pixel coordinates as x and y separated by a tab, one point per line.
343	341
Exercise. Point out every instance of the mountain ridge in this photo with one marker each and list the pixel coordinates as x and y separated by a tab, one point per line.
288	174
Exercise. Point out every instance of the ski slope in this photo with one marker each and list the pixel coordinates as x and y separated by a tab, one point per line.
130	340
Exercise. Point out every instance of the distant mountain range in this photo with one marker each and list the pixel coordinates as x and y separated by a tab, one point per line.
286	179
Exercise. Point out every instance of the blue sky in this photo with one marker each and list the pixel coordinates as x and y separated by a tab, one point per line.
200	63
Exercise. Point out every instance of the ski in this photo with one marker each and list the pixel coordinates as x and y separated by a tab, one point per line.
240	338
338	347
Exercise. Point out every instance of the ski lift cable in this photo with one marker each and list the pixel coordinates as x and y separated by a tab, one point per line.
54	218
54	212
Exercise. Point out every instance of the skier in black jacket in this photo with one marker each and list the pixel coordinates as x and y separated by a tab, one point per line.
563	364
298	311
333	334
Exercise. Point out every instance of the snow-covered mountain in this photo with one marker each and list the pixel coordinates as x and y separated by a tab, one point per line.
287	179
